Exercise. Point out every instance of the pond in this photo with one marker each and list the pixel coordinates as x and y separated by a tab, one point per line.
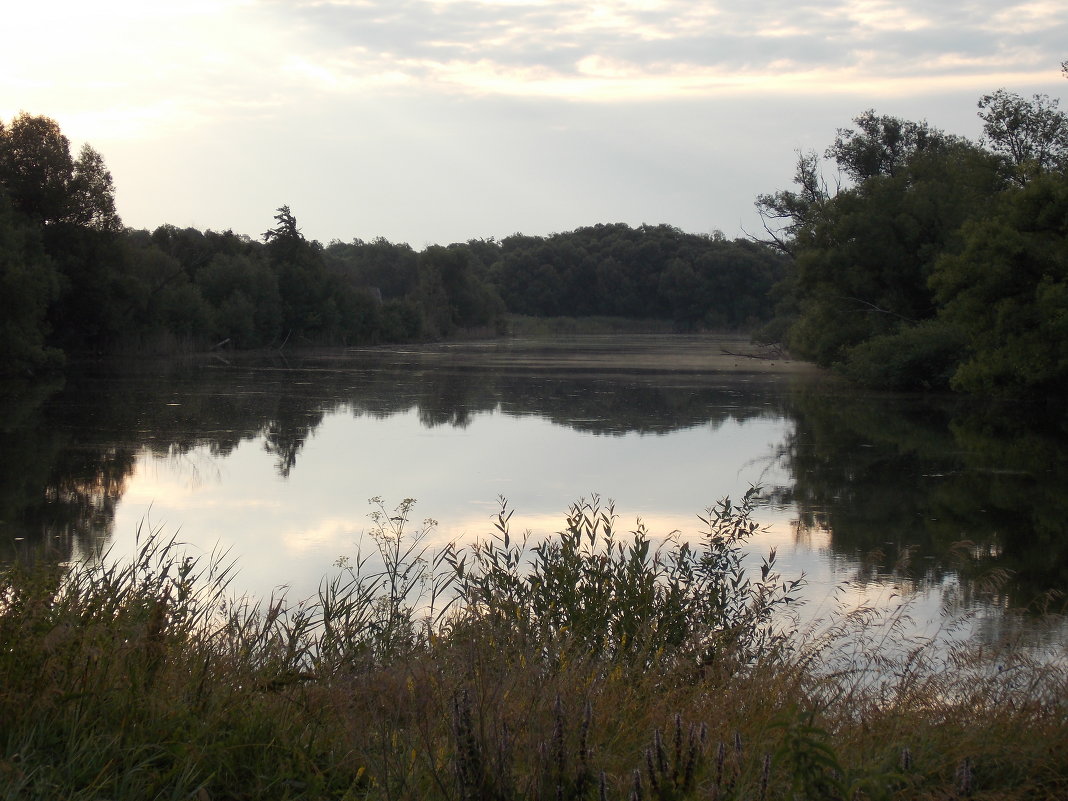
956	506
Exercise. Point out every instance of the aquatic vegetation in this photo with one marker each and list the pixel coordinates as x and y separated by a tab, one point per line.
594	664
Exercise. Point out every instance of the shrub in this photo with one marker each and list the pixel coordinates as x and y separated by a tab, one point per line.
921	356
591	590
500	671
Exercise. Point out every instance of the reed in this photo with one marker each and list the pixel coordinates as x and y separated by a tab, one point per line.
596	664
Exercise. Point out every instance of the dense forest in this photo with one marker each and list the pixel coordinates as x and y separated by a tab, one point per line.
936	261
74	280
927	260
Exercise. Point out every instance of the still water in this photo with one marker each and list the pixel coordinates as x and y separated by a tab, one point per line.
958	507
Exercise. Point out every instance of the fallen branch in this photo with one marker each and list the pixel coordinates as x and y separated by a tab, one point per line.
775	353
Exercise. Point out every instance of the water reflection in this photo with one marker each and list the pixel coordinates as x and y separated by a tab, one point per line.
56	488
277	457
934	487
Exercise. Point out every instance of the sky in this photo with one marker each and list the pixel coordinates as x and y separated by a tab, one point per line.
438	121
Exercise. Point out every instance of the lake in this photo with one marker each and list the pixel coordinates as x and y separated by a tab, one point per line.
958	506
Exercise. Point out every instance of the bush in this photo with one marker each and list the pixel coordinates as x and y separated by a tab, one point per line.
593	665
920	356
592	591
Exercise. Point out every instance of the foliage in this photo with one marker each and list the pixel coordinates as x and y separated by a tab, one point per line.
789	216
243	294
57	219
590	591
285	234
141	677
939	264
648	272
391	269
809	757
92	191
108	289
1007	290
884	145
36	167
863	261
453	295
916	356
1031	134
379	612
46	184
28	284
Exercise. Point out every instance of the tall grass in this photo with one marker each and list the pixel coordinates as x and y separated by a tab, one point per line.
594	664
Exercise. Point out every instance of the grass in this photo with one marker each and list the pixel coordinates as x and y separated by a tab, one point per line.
519	325
592	665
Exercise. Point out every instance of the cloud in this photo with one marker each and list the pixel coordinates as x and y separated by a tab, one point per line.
617	48
332	533
141	66
439	120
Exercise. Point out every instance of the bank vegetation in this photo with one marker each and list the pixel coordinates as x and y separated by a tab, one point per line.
598	664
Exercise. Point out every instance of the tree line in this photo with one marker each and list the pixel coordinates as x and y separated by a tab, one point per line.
73	279
931	261
927	260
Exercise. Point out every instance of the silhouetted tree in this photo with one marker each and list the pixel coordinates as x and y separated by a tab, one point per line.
1031	134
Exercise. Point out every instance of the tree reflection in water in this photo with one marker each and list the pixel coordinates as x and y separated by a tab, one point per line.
916	488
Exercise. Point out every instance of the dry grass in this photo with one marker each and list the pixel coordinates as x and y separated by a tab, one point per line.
141	679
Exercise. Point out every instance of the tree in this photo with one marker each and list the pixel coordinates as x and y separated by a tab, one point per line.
92	193
879	146
786	214
71	205
862	257
243	291
91	310
44	183
308	310
1007	290
36	168
882	145
1031	134
452	292
28	284
392	269
286	230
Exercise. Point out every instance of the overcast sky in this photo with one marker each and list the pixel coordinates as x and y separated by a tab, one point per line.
435	121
